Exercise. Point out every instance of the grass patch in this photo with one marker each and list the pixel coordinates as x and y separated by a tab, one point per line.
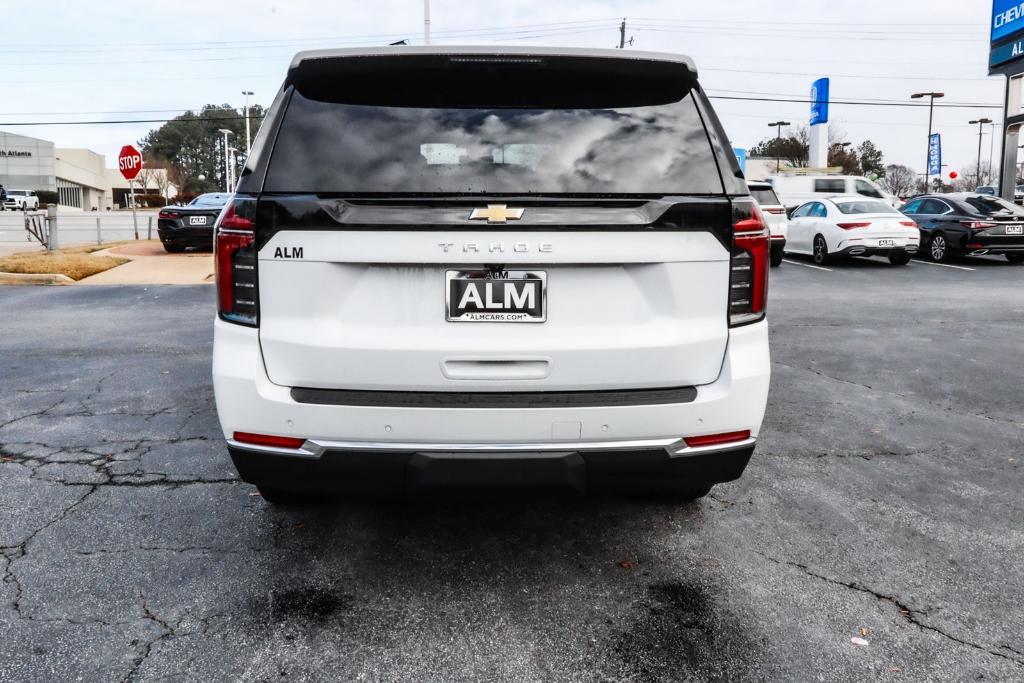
76	262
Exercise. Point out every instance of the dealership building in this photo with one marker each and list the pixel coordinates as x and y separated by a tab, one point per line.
80	177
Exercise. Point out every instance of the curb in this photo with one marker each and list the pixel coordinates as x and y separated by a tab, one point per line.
34	279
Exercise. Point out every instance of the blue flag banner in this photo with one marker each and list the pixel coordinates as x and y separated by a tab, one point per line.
819	101
935	155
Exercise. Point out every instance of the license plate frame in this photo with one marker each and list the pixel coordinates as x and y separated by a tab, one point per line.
196	221
886	243
1015	229
496	304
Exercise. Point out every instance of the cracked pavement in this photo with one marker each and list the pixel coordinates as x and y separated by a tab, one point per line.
883	502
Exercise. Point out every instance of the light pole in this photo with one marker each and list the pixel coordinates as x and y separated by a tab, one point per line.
981	123
778	140
248	146
227	166
426	22
231	168
991	147
931	109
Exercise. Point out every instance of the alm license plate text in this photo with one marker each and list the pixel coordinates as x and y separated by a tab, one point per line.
514	296
887	243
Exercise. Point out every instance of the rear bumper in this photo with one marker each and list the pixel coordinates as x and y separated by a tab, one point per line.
858	250
405	446
387	470
171	233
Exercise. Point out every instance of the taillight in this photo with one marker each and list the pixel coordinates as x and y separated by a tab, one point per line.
909	224
237	297
977	225
851	226
748	265
165	213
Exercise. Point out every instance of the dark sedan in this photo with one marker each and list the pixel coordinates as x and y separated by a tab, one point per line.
191	225
968	224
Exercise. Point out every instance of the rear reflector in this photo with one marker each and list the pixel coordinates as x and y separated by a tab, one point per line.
715	439
268	440
237	297
851	226
748	265
909	224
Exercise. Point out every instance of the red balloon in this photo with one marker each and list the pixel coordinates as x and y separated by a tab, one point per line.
953	175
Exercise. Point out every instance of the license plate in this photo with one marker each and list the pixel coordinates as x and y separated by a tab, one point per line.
197	220
511	296
1015	229
887	243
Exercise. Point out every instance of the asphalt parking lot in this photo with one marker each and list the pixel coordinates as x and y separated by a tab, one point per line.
884	503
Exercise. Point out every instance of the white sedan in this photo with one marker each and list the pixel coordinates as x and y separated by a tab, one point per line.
852	226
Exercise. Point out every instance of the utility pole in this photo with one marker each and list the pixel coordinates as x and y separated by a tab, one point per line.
248	144
991	149
426	22
928	148
981	123
622	33
778	141
227	162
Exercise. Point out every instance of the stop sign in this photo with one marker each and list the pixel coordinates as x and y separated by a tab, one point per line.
129	161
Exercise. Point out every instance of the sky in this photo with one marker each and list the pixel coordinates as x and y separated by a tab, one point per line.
104	60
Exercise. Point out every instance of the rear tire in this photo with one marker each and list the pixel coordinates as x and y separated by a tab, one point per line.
899	259
276	496
938	248
1015	258
821	255
776	259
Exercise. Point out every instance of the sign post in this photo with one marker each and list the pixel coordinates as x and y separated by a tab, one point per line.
1006	58
129	161
818	148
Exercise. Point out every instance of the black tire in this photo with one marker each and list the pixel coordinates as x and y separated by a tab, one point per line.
776	259
1017	258
174	248
938	248
276	496
899	259
821	255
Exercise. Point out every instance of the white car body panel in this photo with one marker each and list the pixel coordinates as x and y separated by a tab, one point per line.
365	310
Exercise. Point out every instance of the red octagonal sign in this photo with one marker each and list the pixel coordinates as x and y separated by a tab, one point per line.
129	161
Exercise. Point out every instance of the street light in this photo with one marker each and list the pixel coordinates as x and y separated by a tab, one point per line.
248	146
227	166
231	168
778	140
931	108
980	122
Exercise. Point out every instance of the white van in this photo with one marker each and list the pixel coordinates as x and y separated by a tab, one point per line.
794	190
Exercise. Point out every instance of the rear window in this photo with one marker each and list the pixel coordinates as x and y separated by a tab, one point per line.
765	196
865	207
653	147
993	206
830	185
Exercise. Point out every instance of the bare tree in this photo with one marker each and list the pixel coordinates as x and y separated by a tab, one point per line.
899	180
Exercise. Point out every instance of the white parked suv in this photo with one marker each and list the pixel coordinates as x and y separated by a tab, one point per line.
21	200
490	266
775	215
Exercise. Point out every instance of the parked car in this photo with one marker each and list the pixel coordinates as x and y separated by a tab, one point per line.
968	223
191	225
21	200
411	293
775	215
987	189
794	189
852	226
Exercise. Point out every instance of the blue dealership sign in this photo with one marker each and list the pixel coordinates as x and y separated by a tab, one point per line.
741	157
819	101
935	155
1006	52
1007	18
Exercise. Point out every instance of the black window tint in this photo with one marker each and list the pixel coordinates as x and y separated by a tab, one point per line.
993	206
361	148
836	185
912	207
866	189
765	196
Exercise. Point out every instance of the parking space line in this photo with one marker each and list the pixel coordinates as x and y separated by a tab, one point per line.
806	265
944	265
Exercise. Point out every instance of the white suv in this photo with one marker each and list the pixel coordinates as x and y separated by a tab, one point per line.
21	200
479	266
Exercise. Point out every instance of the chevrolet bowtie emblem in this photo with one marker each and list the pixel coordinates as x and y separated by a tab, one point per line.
496	213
